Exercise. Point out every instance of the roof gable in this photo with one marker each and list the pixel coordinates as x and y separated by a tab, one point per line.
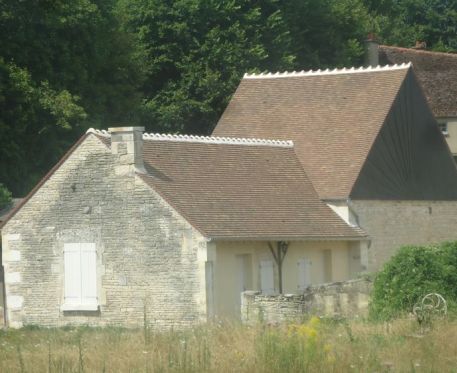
332	117
409	159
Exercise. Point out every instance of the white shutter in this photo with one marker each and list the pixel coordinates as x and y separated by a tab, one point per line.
80	262
88	274
267	277
304	274
72	262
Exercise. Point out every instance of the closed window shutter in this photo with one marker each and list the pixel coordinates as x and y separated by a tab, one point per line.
88	274
80	261
267	277
72	262
304	274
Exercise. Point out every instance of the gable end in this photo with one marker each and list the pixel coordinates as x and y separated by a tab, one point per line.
409	159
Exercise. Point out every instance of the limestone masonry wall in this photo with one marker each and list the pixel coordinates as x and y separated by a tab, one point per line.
148	257
340	299
392	224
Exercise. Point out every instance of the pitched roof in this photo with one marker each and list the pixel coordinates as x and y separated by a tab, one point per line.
436	71
347	125
333	118
238	188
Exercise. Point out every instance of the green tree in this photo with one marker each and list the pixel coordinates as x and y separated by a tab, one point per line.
327	33
64	66
411	274
33	118
5	196
407	21
196	52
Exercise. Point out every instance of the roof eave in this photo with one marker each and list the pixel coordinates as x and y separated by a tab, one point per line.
290	238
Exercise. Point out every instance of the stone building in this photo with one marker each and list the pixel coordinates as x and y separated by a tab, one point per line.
171	227
369	143
310	177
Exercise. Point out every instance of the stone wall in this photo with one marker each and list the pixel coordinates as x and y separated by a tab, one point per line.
392	224
2	309
347	299
148	257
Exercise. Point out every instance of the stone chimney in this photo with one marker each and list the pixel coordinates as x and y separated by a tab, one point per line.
127	143
371	51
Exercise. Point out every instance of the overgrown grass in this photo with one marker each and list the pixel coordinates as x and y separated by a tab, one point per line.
314	346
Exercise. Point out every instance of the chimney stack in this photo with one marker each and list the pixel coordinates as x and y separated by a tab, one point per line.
127	143
371	51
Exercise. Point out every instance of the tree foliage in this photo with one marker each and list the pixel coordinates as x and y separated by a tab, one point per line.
407	21
5	196
64	66
411	274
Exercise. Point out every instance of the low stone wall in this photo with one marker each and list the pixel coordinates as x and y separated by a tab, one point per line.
347	299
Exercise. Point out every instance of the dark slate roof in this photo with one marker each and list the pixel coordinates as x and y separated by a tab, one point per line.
332	117
234	189
436	71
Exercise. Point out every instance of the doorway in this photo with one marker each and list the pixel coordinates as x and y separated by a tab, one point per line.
243	276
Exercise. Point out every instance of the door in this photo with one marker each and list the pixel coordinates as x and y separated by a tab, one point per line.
267	277
243	276
304	274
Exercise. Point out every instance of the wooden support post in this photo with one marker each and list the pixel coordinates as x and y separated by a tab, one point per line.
278	255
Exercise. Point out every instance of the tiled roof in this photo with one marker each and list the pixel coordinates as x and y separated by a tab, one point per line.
239	189
436	71
333	119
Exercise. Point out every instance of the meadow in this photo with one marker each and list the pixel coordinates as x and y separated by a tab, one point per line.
316	345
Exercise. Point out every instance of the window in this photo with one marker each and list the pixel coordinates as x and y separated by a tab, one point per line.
80	290
443	127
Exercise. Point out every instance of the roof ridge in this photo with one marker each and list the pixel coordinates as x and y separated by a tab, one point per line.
205	139
451	54
344	70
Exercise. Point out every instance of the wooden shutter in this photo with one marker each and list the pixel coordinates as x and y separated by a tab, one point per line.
80	262
88	274
72	262
304	274
267	277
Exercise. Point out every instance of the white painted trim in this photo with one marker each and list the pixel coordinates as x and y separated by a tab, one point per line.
319	72
205	139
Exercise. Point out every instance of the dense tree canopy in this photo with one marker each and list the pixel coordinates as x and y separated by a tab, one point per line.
403	22
66	65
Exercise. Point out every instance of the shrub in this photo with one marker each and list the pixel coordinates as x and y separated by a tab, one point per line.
412	273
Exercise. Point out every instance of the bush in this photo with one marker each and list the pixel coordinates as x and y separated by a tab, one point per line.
412	273
5	196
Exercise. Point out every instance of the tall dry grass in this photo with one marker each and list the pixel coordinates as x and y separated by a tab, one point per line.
314	346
